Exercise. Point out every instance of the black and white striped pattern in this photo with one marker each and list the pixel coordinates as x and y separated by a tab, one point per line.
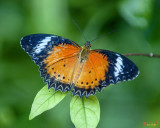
120	69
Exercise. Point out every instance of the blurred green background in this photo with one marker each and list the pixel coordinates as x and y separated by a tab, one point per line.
129	25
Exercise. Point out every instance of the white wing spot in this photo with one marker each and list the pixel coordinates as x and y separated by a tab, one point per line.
42	44
118	66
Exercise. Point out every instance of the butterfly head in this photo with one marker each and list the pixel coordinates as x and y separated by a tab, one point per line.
87	45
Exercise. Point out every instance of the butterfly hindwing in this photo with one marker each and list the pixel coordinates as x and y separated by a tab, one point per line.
52	54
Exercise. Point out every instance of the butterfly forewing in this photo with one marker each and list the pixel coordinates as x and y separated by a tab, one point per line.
120	68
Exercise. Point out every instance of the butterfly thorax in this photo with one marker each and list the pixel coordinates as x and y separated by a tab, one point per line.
84	52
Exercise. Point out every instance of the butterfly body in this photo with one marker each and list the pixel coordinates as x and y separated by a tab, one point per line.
66	66
84	54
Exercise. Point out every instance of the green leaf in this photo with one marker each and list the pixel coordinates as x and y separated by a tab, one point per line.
45	100
85	113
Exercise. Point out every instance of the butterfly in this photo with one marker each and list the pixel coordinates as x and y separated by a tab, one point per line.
66	66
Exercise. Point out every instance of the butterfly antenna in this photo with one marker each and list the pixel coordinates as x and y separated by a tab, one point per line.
102	36
79	29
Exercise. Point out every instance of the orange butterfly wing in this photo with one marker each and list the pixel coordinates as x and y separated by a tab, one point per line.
102	68
93	71
60	66
56	57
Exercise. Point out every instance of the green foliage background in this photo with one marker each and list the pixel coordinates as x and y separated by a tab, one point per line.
134	26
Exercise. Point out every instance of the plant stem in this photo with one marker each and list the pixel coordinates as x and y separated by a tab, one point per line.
143	54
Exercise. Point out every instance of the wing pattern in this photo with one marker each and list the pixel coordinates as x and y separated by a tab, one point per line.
56	57
107	68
